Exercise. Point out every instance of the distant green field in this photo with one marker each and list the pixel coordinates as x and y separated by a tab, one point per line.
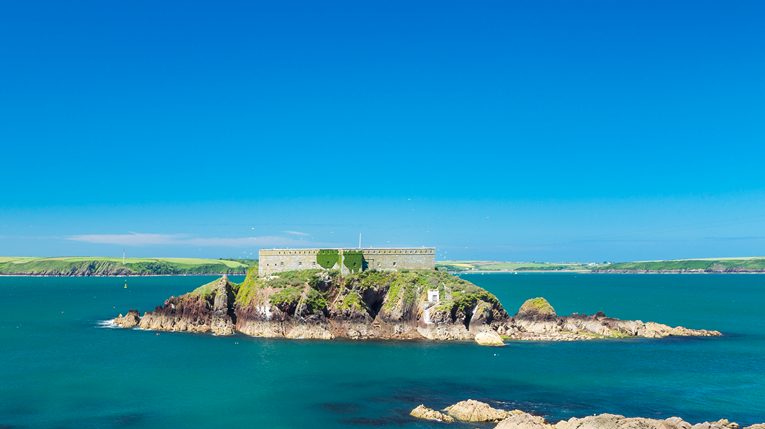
511	266
711	265
108	266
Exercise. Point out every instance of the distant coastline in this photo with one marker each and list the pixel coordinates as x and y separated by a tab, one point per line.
740	265
84	266
91	266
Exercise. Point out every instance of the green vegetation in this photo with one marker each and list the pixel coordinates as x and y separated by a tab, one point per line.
537	306
315	301
353	260
99	266
286	298
692	265
328	258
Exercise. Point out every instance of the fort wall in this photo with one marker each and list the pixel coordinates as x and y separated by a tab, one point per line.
277	260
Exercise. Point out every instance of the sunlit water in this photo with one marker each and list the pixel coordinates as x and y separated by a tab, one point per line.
59	369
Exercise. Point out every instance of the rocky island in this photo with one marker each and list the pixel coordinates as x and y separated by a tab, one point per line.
397	305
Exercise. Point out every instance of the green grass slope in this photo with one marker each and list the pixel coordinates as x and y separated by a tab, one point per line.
98	266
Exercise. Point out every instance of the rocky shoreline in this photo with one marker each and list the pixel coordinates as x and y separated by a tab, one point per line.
314	304
472	411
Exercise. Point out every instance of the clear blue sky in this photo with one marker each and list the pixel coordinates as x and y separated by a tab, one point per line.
517	130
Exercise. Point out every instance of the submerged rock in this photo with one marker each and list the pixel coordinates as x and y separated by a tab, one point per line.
473	411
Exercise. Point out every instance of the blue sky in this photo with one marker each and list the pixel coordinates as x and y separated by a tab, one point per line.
518	130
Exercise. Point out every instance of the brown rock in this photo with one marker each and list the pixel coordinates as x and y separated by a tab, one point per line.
130	320
475	412
489	338
425	413
521	420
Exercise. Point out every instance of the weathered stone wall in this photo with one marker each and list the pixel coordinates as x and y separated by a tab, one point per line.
278	260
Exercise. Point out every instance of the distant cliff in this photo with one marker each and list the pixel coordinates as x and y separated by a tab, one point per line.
405	305
94	266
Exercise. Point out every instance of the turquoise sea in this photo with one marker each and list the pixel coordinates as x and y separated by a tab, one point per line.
59	369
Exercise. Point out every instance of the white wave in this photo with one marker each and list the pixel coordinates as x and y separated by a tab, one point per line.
107	324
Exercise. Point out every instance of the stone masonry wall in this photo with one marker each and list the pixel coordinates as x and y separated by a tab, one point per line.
278	260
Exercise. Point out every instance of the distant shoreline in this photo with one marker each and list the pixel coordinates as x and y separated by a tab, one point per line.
125	275
600	272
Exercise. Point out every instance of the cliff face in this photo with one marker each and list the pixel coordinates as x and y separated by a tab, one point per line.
317	304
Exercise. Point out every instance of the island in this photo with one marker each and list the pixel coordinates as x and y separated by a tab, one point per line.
344	298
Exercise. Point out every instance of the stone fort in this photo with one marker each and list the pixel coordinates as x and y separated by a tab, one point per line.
346	260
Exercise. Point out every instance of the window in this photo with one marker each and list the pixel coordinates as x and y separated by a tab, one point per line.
394	263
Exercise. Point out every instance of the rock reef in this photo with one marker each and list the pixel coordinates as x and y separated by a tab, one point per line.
404	305
471	411
536	320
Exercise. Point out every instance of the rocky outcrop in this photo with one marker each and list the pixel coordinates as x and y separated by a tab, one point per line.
472	411
613	421
208	309
129	320
475	412
536	309
520	420
536	320
315	304
425	413
489	338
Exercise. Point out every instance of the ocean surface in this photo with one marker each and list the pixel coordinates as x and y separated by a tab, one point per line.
60	369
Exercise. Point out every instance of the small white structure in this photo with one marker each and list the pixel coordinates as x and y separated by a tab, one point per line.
433	295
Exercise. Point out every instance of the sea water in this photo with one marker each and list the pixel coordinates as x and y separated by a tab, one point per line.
59	368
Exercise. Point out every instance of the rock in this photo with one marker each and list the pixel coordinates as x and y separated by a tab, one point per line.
489	338
130	320
223	307
536	308
720	424
425	413
613	421
475	412
756	426
521	420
